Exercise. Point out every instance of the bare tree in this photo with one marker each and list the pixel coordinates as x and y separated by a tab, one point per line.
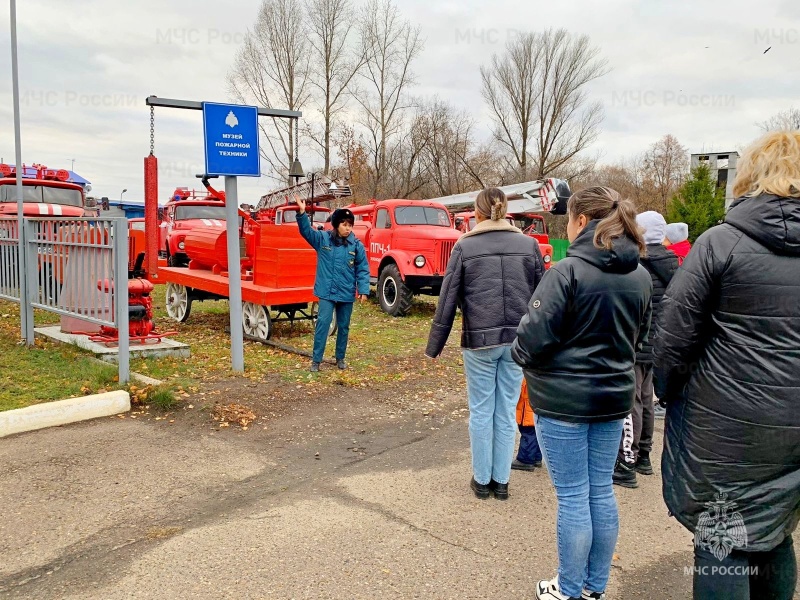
788	120
448	152
537	94
272	70
390	44
666	163
334	64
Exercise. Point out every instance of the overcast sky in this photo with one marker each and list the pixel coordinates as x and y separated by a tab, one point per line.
694	69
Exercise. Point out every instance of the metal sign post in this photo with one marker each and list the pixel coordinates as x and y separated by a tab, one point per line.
231	143
231	147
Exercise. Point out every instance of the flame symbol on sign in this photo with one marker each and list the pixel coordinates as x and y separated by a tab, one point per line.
231	120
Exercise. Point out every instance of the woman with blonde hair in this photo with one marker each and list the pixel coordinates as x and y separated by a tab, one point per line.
577	345
728	348
491	275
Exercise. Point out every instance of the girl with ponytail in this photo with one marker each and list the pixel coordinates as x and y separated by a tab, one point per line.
492	273
577	346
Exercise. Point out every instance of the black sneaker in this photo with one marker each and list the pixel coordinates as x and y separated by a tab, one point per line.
314	367
481	490
341	364
643	465
500	490
587	595
624	475
521	466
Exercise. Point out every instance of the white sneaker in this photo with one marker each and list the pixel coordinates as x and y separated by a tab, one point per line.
548	590
587	595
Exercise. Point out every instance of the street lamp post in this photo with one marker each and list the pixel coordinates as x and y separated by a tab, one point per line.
122	192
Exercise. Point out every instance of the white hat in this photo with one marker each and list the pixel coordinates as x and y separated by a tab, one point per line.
677	232
654	226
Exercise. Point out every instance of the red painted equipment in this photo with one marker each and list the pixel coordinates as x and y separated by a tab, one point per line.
408	244
140	315
46	192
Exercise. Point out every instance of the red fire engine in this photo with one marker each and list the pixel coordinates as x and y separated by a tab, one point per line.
408	244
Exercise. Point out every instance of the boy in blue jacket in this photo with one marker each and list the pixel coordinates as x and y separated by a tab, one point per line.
342	272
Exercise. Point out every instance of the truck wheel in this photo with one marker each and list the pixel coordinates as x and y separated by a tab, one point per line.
256	321
174	261
50	289
394	295
315	312
179	303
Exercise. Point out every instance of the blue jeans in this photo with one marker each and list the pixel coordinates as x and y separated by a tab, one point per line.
580	458
493	384
343	312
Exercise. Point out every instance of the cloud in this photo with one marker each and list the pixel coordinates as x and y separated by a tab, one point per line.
691	69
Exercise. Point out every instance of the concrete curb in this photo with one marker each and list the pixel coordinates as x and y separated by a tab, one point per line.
63	412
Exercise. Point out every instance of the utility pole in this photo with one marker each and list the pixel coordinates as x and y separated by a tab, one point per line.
26	318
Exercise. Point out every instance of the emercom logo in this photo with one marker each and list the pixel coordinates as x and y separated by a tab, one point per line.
720	529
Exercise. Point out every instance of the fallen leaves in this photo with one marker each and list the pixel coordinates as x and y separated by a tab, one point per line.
238	414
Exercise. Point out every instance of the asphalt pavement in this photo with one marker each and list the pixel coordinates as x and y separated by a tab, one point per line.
353	507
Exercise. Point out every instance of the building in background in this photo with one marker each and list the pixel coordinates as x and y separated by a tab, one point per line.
723	169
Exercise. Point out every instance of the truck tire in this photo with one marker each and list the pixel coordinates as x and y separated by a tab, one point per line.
393	294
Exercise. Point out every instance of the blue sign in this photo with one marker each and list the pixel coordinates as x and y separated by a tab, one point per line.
231	139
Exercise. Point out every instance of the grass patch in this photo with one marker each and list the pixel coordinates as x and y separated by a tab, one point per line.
382	349
46	371
162	398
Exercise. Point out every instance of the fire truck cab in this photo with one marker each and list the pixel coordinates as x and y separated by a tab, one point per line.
408	244
186	210
45	192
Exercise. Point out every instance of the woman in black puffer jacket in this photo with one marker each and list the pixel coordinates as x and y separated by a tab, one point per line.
577	346
728	349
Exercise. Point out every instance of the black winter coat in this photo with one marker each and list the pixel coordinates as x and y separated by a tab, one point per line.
578	341
491	276
728	346
661	264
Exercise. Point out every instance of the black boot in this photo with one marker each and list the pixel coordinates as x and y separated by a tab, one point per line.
624	475
481	489
500	490
643	464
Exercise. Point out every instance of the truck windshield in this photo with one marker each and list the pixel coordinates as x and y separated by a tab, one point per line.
44	194
421	215
320	216
198	211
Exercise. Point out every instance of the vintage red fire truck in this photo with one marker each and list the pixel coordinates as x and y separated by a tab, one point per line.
186	210
530	224
45	192
52	193
408	244
524	201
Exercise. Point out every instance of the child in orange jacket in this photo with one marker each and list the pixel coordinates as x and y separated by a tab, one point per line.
529	455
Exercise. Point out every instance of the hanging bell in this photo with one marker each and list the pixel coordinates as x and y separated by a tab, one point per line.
296	170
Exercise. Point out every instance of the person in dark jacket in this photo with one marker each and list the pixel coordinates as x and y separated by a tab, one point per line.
577	345
342	272
637	436
728	344
492	274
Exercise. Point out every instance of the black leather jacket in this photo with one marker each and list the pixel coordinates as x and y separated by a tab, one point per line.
578	342
490	276
727	344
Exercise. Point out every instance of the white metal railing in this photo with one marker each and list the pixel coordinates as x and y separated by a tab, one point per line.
76	267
